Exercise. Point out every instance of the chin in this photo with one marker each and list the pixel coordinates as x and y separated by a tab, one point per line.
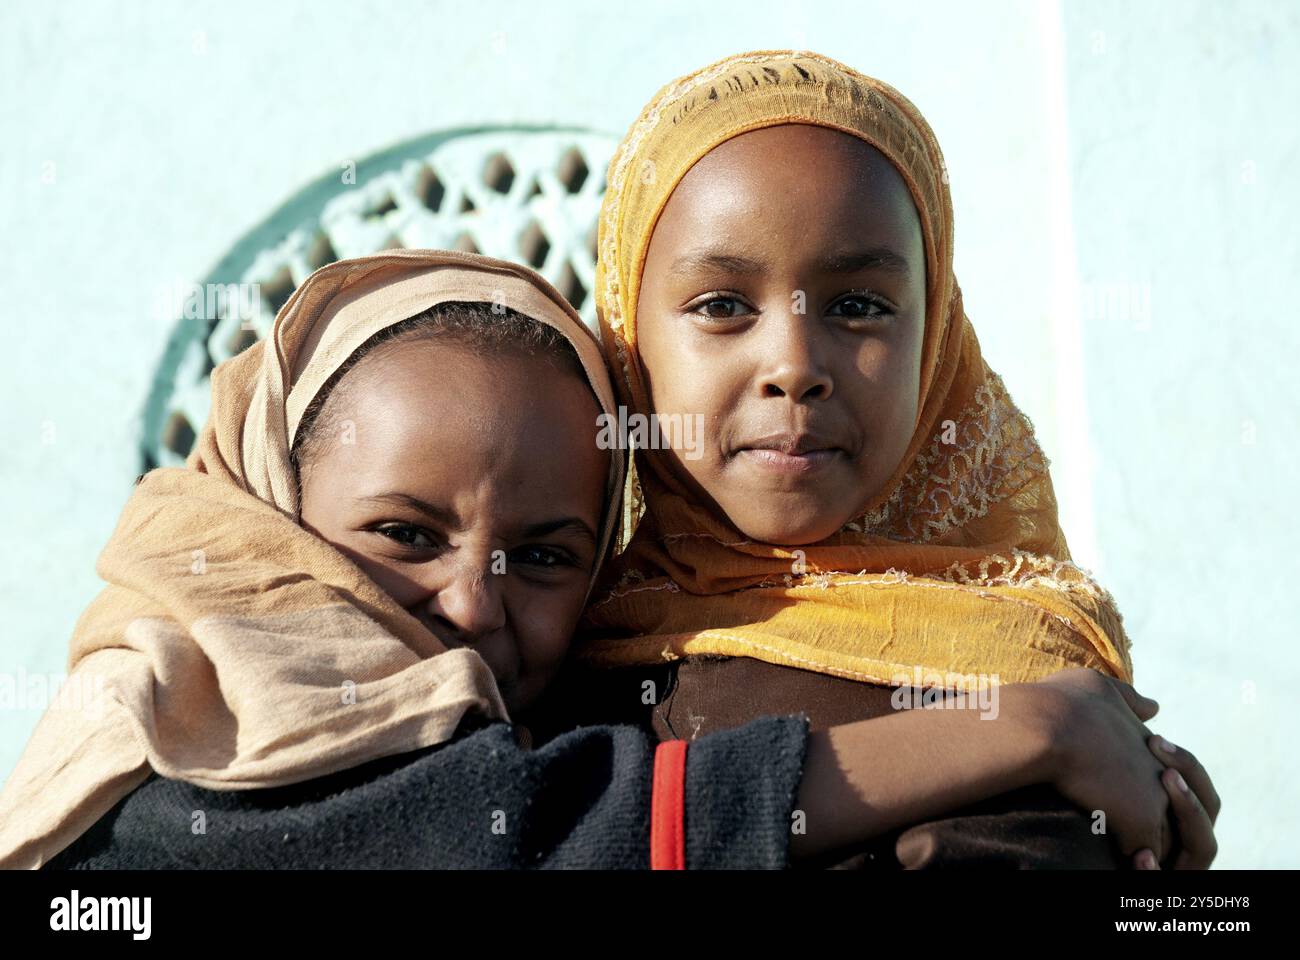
789	528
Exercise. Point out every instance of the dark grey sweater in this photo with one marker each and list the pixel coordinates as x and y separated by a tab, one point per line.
478	802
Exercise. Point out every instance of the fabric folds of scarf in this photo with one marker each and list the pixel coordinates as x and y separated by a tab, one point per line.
957	574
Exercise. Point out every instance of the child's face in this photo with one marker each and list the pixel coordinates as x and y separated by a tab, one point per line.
807	413
470	489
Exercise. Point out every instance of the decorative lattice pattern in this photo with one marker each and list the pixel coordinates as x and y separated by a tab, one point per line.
529	196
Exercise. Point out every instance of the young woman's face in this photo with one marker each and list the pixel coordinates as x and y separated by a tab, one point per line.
473	499
783	298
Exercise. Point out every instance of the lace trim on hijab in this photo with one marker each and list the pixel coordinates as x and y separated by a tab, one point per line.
1021	569
992	453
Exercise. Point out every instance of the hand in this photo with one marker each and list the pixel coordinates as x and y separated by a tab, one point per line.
1196	808
1099	758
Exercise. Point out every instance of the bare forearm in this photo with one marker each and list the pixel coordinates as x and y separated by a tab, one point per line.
863	779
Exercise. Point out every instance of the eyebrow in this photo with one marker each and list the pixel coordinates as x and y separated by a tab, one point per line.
873	258
448	517
561	524
441	514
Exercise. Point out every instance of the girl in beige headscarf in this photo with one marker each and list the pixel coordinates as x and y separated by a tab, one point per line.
252	634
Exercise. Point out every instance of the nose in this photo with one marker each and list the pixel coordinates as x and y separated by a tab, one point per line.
468	606
793	365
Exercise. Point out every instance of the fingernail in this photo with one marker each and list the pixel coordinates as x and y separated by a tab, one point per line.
1165	746
1147	859
1180	783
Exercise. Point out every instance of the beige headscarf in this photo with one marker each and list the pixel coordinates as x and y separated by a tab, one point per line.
232	648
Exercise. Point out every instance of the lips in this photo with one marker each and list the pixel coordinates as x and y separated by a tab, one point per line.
791	454
792	444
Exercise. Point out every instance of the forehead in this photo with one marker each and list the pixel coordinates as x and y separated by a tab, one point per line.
434	414
813	183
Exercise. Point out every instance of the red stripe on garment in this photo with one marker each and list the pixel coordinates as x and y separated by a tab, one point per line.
668	807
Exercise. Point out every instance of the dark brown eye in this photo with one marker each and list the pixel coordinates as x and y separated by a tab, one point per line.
721	308
538	556
859	306
407	535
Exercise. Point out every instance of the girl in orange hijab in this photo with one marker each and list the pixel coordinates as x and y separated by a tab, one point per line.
841	505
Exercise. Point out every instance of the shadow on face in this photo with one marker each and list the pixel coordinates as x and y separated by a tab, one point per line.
783	298
469	487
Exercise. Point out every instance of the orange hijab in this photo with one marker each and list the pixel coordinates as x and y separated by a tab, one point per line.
957	573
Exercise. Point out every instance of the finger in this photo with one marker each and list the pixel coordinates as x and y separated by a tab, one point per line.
1198	847
1185	763
1168	838
1145	860
1144	707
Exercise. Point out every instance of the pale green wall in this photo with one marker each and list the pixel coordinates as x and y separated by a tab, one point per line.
1142	148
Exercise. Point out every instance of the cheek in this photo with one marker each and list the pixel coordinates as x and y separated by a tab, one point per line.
688	378
665	364
886	382
337	530
544	624
388	578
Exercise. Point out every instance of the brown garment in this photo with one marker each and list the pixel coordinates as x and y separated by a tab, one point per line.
1030	828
